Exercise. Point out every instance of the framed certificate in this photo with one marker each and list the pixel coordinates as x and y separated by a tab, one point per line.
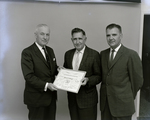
69	80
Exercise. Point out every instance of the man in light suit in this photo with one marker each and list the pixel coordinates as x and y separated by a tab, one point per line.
39	70
121	77
83	105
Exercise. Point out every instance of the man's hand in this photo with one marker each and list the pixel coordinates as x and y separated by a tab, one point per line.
51	87
84	81
59	68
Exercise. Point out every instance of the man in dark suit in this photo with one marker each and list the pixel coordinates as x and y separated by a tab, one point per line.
121	77
39	68
83	105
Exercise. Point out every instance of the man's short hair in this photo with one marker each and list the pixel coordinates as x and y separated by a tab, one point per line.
113	25
39	26
76	30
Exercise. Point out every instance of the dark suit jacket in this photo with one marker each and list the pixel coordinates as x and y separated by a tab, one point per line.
87	95
120	81
36	73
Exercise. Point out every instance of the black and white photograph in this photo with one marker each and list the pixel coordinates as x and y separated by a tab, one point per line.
107	39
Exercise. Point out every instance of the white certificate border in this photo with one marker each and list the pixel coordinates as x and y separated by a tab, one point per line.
70	70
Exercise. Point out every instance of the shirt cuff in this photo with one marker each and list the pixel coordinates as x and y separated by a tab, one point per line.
46	85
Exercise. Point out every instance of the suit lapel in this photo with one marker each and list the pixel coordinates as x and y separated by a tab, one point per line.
71	58
51	58
107	57
39	54
85	56
118	55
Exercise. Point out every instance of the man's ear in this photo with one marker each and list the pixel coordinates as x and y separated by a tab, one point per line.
121	35
85	38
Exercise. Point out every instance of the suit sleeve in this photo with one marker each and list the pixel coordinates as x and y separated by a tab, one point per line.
135	73
27	66
65	64
95	78
66	61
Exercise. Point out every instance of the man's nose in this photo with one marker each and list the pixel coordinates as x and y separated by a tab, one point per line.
77	41
111	37
45	36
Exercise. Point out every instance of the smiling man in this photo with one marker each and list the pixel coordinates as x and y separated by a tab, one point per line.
121	77
39	68
83	105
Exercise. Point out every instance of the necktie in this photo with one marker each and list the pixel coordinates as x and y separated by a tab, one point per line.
111	57
76	66
46	54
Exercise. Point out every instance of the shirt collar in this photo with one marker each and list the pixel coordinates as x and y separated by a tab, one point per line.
81	51
40	47
116	49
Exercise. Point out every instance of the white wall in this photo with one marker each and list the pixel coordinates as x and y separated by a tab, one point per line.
17	24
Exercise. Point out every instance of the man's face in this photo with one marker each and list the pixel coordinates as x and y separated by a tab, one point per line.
78	40
42	36
113	37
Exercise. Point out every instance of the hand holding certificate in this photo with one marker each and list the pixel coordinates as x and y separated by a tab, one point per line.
69	80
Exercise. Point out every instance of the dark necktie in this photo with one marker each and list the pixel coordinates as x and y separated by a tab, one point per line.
111	57
47	56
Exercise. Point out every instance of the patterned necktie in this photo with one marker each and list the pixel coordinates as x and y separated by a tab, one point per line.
76	66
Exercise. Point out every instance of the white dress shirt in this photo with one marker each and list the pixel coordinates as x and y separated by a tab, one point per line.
80	57
41	49
115	52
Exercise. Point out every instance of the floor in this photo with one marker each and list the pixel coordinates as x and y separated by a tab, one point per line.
63	113
144	106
